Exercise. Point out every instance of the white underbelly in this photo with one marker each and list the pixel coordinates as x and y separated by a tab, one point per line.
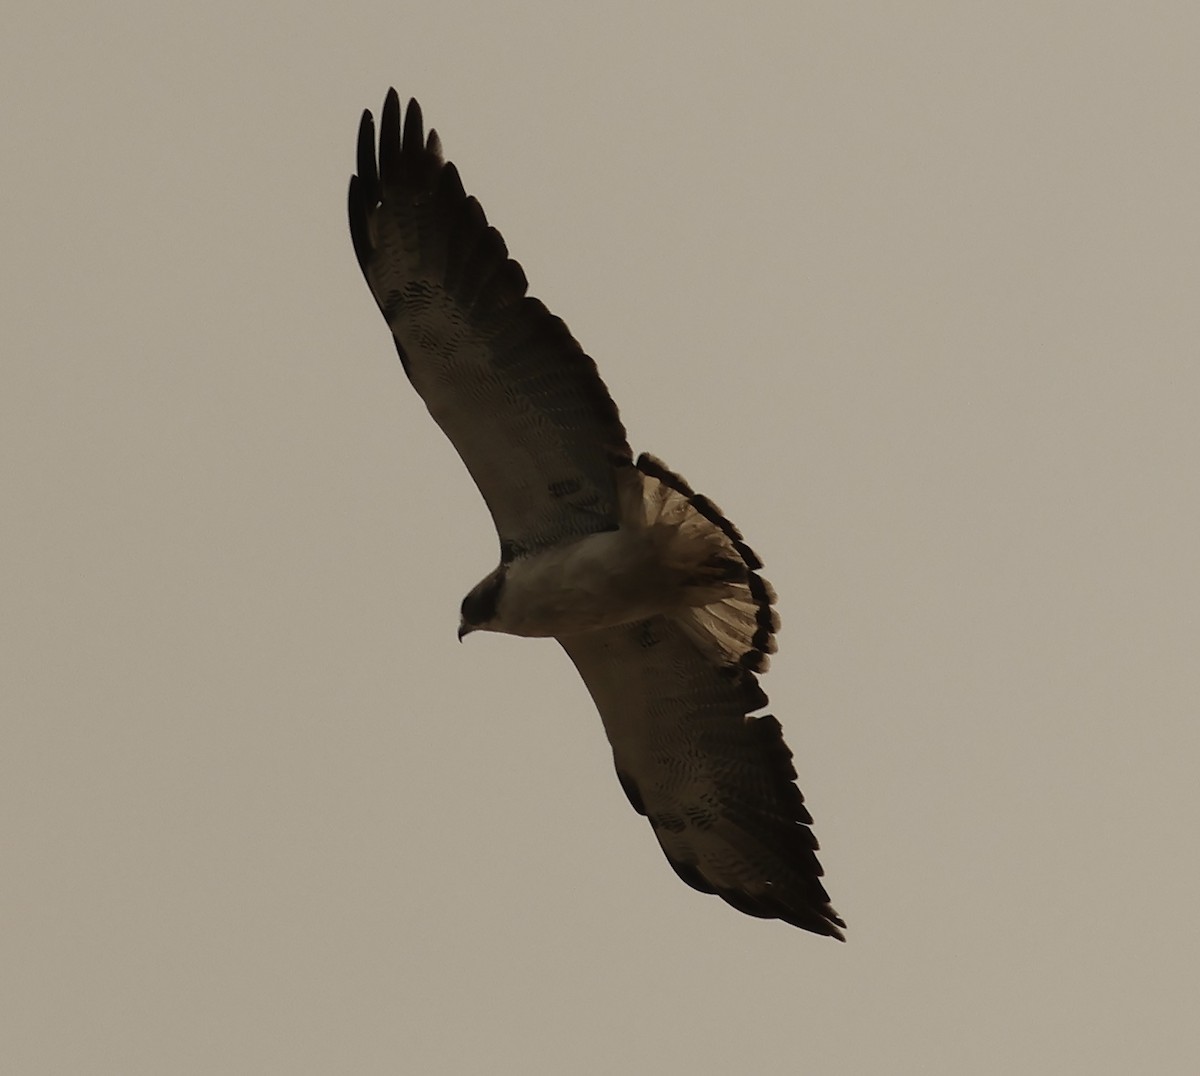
593	582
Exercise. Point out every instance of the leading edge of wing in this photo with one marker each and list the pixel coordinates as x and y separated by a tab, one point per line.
521	402
716	784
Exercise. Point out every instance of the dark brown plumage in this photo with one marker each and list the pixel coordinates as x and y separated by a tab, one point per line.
584	528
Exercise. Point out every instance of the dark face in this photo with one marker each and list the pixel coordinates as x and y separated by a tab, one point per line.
479	607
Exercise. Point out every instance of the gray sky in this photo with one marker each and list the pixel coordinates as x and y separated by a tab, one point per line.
910	290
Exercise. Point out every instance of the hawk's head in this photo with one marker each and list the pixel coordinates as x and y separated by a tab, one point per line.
479	607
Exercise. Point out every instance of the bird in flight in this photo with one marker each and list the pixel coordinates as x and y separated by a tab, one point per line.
645	583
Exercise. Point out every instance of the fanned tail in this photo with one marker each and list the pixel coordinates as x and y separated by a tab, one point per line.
728	611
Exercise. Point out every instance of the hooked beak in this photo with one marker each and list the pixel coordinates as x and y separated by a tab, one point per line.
464	629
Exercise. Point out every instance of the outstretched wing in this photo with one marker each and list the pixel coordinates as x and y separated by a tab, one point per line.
716	784
502	376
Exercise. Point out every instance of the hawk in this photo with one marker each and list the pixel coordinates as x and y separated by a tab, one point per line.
645	583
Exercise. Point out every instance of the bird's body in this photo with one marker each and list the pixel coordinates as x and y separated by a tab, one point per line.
598	581
647	586
662	558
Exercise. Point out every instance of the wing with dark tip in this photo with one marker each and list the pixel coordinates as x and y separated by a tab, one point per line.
717	784
502	376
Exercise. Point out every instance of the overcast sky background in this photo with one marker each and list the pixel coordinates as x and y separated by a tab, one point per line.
910	290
